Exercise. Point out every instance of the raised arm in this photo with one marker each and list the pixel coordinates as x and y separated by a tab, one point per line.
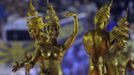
73	36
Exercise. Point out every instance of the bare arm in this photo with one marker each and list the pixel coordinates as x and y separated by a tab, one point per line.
73	36
35	59
29	62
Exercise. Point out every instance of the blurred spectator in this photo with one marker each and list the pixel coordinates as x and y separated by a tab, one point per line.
13	12
3	13
132	31
16	11
89	7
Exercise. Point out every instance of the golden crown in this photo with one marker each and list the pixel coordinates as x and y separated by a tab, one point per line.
50	17
32	11
103	13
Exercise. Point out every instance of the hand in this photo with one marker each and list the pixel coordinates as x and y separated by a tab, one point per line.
24	64
28	57
68	14
28	66
16	67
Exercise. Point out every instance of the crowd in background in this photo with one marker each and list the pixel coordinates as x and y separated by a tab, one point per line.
11	10
15	12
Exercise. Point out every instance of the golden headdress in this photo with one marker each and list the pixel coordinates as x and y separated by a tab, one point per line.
123	20
32	11
51	16
33	18
103	13
121	31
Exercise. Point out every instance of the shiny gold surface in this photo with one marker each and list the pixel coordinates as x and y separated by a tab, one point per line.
49	53
107	50
97	41
118	56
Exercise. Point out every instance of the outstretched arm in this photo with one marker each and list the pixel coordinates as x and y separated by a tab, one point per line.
29	63
72	38
35	59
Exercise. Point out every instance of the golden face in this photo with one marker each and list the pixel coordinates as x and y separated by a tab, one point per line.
53	31
35	25
33	32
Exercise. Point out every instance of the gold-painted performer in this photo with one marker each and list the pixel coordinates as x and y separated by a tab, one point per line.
49	53
107	50
120	56
97	42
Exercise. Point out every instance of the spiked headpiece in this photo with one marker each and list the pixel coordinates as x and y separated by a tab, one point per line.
32	11
34	18
103	13
123	19
51	17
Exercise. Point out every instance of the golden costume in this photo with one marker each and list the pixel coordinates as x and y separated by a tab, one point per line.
97	41
107	50
49	53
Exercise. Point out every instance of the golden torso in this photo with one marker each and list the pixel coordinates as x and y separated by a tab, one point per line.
51	57
96	45
117	64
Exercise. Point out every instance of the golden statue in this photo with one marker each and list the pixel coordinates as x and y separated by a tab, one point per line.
49	53
119	56
97	42
109	51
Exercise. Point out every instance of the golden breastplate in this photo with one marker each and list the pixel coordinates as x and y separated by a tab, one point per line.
55	52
